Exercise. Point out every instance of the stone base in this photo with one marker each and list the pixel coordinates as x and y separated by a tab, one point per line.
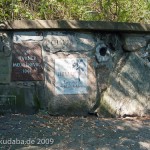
69	104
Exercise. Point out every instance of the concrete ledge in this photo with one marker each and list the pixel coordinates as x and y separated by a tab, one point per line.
74	25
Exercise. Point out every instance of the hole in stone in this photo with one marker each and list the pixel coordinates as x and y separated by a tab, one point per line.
102	51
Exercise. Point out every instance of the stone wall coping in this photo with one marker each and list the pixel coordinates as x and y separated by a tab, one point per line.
74	25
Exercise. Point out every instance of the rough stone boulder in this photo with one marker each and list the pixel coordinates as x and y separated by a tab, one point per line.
134	43
128	93
69	104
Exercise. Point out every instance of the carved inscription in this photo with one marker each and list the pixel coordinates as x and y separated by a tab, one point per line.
71	76
27	64
67	41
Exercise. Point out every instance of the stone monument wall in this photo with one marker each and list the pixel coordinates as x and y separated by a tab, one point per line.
75	69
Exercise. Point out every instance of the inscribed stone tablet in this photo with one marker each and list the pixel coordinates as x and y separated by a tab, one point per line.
71	76
27	62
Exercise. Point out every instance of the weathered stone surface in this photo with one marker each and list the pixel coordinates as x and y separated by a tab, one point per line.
7	104
76	25
145	54
80	68
5	70
27	97
5	58
68	41
133	43
32	36
129	88
70	104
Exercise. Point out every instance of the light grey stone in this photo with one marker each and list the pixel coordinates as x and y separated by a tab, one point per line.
71	76
68	41
73	103
134	43
31	36
129	88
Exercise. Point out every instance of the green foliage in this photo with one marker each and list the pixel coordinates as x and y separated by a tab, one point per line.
105	10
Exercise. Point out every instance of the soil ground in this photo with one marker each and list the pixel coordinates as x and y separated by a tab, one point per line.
44	132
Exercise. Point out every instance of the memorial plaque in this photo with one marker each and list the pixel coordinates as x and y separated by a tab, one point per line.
71	76
27	63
